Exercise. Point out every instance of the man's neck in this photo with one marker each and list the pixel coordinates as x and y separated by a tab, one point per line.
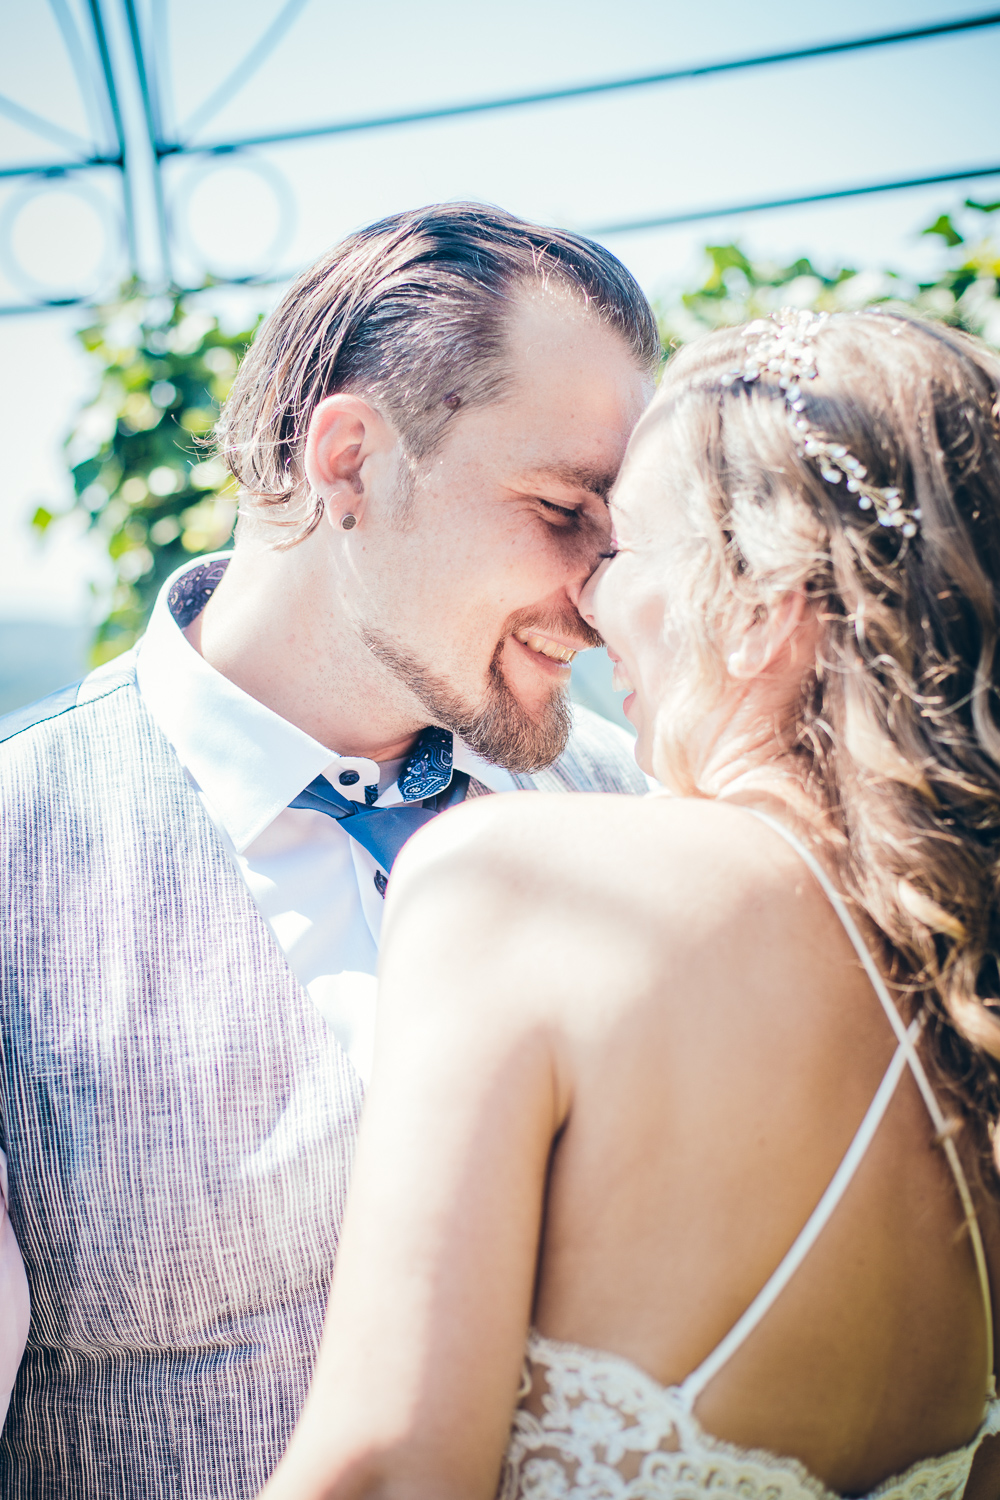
260	630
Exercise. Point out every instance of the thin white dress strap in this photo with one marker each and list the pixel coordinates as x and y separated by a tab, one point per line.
906	1055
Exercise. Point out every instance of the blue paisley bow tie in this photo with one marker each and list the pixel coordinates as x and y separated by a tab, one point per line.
427	782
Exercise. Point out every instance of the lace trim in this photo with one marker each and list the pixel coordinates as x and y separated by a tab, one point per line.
606	1430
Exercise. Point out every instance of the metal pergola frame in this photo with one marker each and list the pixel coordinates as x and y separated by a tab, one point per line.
141	146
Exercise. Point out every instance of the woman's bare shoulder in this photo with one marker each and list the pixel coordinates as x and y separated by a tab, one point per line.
609	934
593	846
624	888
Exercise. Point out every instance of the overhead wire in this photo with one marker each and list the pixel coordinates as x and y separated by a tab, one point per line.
697	215
580	91
148	79
58	168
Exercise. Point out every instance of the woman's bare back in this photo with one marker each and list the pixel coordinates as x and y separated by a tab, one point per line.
642	1042
712	1104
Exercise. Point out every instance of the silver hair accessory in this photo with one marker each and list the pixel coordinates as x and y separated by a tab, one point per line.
782	345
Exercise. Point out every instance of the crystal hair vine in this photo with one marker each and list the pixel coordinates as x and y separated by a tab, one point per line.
783	345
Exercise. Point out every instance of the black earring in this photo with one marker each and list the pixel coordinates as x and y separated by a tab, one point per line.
349	522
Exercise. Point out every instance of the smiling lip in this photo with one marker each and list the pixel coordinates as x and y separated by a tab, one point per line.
544	645
619	682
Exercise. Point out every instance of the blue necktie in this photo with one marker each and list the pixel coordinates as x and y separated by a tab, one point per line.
426	781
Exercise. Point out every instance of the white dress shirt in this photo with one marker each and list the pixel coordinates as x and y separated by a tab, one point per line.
314	885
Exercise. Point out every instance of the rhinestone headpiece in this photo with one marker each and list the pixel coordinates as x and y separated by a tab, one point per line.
782	345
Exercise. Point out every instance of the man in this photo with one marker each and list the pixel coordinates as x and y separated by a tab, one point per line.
198	838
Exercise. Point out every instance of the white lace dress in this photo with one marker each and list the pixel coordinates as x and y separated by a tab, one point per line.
592	1426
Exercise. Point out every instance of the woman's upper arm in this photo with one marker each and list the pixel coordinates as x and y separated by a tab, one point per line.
420	1363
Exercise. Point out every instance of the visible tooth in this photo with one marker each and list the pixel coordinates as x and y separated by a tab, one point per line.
544	647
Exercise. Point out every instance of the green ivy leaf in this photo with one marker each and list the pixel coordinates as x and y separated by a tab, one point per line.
945	228
160	384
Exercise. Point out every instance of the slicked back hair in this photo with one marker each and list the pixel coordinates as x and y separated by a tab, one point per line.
412	313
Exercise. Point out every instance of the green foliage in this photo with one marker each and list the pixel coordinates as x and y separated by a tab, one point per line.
945	228
966	293
140	455
140	458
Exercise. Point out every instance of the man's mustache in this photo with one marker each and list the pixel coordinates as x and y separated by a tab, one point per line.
558	624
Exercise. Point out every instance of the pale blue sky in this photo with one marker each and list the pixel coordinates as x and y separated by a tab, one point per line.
916	109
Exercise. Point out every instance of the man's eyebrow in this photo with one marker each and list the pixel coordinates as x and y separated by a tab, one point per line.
582	477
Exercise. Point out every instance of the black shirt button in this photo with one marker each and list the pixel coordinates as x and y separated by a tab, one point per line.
349	778
381	881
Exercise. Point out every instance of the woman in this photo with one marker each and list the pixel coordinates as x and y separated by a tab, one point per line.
645	1084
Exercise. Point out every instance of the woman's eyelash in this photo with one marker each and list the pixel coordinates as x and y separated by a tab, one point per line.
606	556
569	512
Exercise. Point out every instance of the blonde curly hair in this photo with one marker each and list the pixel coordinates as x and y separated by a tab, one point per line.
898	730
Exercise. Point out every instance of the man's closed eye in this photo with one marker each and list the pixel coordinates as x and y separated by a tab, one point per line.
568	513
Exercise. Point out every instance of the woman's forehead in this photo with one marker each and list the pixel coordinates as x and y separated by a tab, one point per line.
642	476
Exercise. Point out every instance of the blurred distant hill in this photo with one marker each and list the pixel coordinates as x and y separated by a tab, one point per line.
38	656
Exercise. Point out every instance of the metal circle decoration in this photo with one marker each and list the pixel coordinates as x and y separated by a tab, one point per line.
107	263
263	261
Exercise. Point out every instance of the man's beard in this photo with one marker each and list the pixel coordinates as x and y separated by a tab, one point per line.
498	728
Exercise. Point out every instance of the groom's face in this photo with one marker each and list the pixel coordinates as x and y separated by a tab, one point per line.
471	599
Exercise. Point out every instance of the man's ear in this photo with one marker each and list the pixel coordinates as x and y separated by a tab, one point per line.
344	434
772	637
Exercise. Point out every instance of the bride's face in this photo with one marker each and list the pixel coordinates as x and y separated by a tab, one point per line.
636	598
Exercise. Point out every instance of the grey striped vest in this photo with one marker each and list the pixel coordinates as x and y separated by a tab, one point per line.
178	1121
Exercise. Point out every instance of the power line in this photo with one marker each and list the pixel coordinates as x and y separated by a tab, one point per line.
160	149
664	221
60	168
514	101
579	91
697	215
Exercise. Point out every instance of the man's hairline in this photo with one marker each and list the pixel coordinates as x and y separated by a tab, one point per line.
578	476
556	286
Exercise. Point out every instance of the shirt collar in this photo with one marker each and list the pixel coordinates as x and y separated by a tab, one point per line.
249	761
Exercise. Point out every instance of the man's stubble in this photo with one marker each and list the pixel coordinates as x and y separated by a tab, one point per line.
497	727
